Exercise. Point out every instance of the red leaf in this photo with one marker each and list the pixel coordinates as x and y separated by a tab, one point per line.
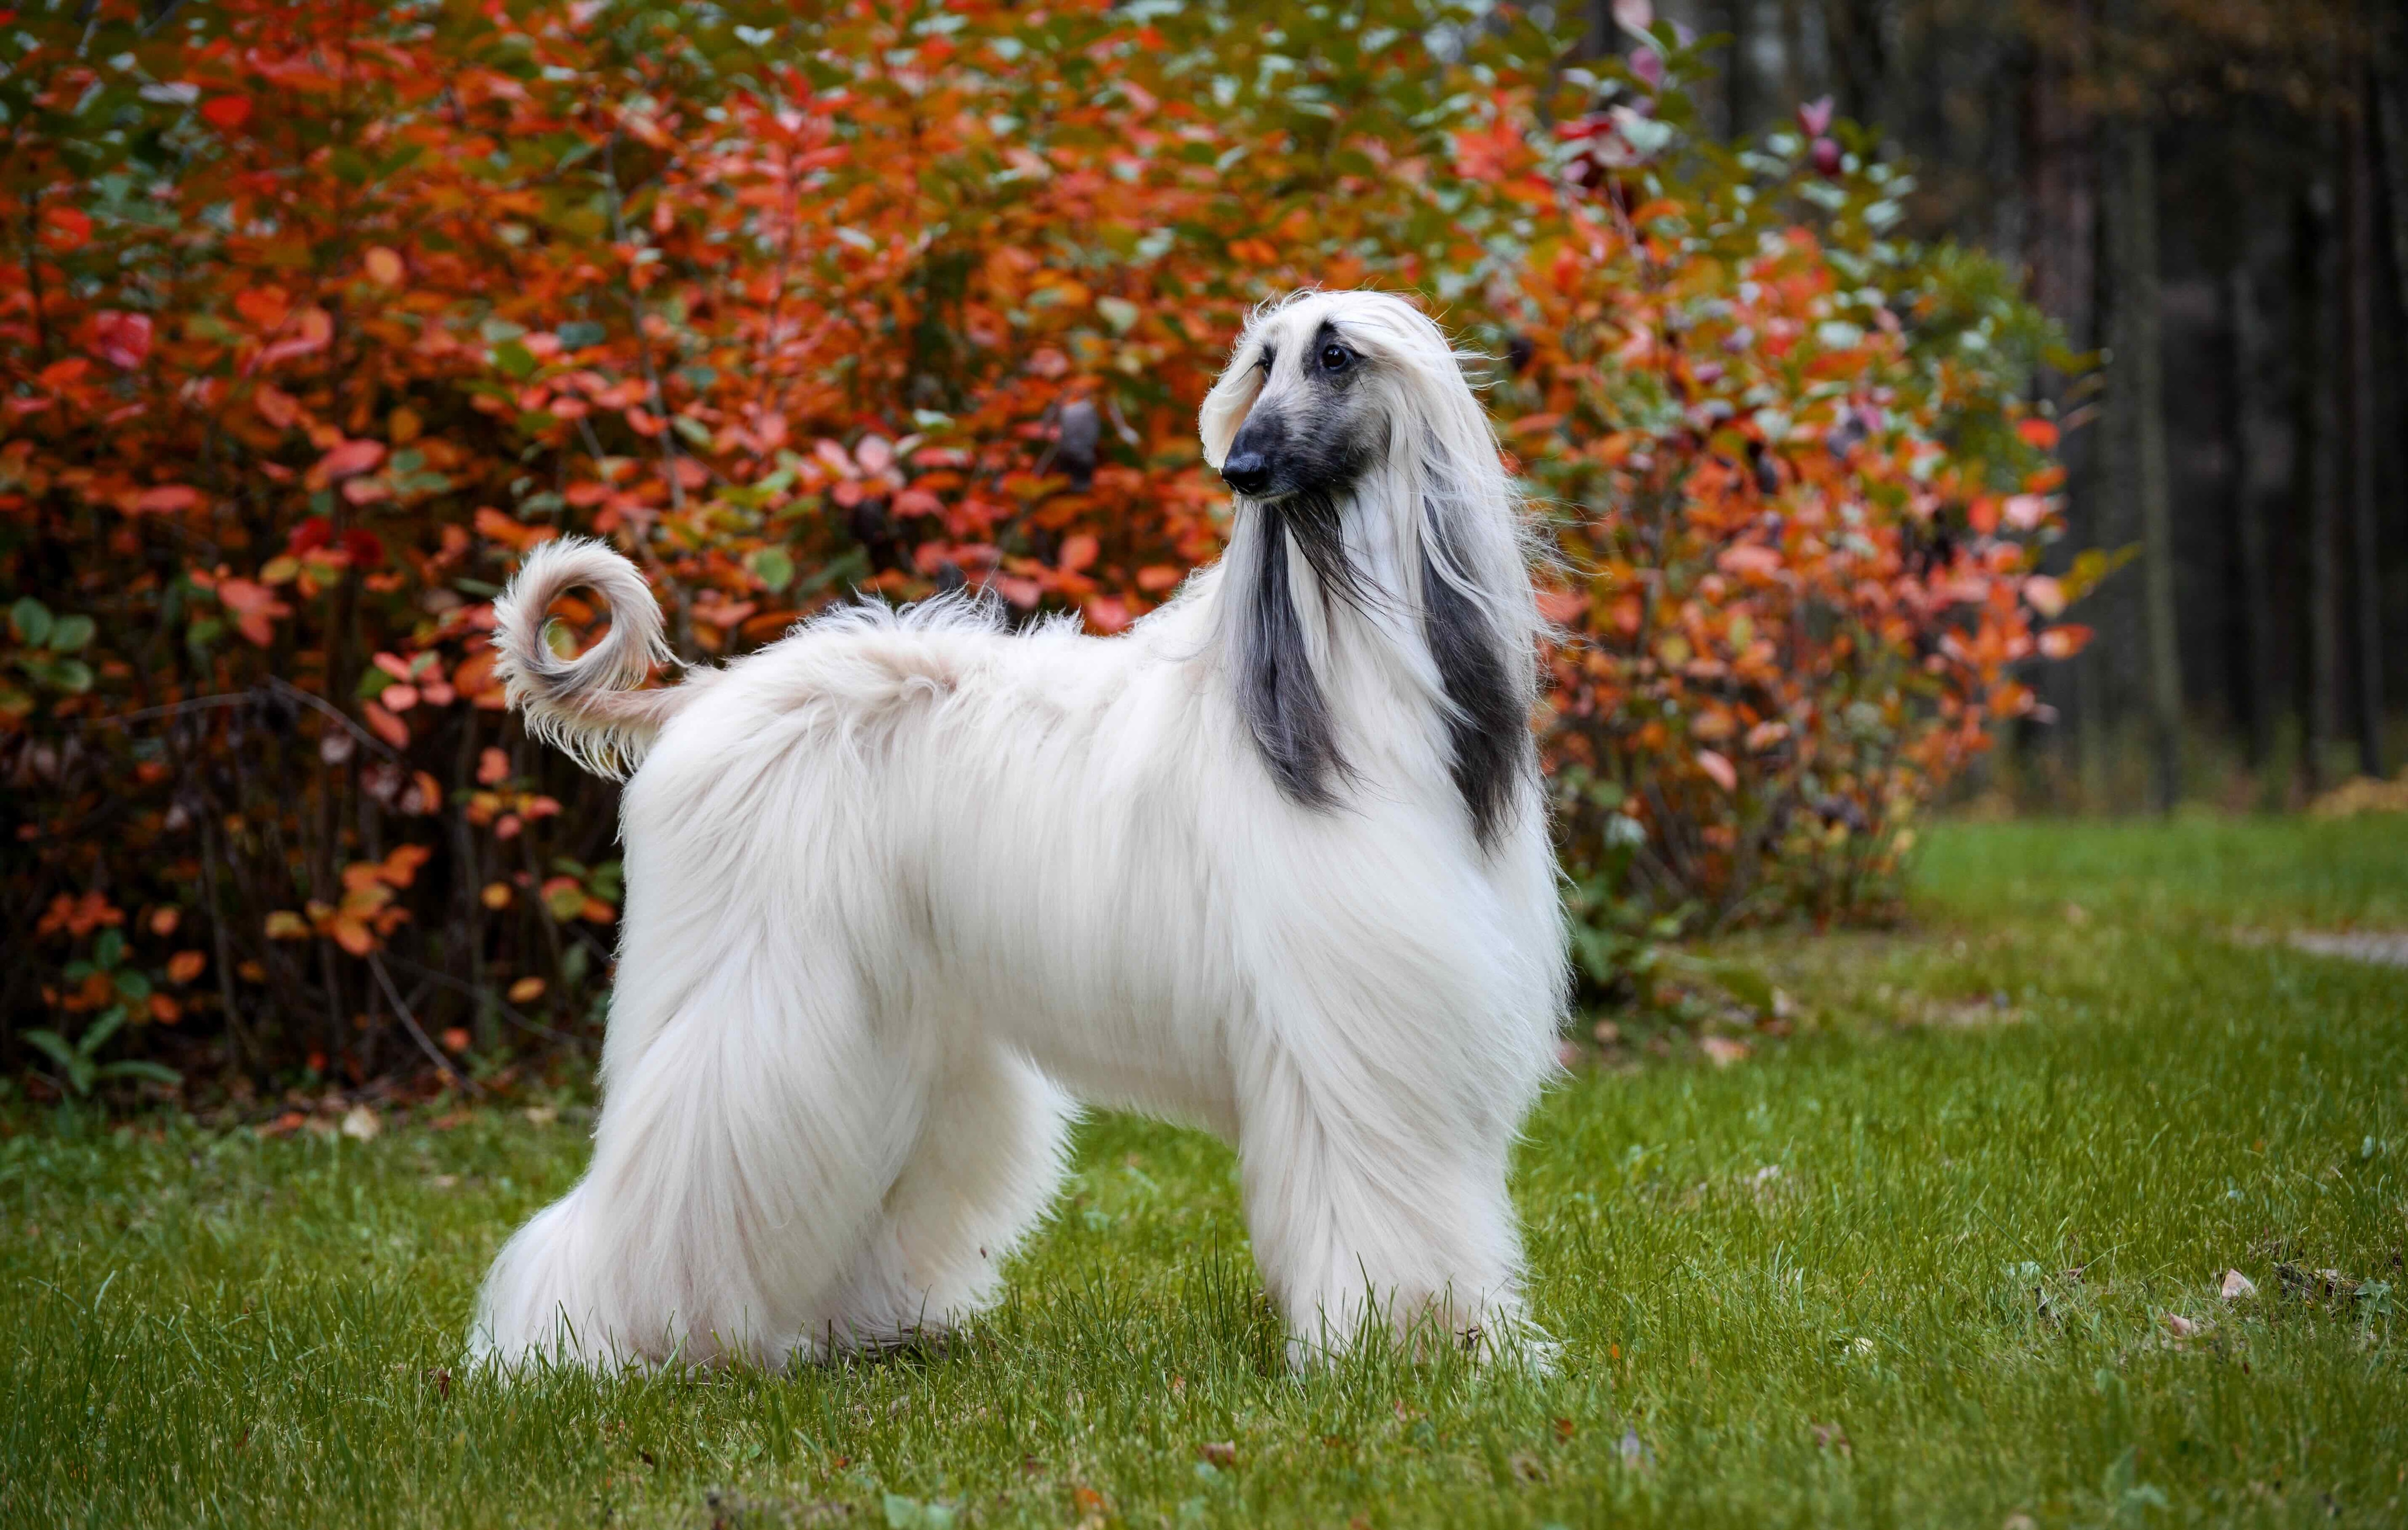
2040	433
167	499
121	339
65	228
226	112
352	456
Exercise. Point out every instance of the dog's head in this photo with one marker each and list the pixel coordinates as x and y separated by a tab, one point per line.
1348	432
1317	386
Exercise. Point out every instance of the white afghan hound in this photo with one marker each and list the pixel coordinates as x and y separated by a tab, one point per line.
904	886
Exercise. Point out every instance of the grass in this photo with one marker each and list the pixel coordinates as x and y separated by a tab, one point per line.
1912	1265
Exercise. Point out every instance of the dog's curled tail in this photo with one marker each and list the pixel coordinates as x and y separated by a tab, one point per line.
585	706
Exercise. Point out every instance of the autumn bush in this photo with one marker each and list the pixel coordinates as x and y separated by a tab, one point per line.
314	318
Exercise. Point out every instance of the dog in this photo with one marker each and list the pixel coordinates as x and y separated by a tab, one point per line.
906	888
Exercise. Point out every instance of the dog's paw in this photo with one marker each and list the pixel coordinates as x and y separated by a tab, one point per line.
1514	1344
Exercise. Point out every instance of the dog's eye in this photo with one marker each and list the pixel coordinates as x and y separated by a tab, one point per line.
1336	357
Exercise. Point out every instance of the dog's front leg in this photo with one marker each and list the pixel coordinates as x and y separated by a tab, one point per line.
1374	1216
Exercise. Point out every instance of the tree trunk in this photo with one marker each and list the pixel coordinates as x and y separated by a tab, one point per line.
1859	56
2136	391
2060	165
2358	336
2319	519
2252	590
2391	112
1739	70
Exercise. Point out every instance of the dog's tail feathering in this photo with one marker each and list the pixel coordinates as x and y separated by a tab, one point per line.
585	706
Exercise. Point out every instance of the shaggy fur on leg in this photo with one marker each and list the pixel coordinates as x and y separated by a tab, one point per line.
904	886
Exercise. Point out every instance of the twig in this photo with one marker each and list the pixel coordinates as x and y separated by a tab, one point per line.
392	995
446	980
335	712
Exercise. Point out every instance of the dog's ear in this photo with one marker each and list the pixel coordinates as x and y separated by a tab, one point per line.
1487	722
1278	693
1225	407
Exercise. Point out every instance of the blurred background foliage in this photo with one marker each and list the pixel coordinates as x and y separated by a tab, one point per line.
315	318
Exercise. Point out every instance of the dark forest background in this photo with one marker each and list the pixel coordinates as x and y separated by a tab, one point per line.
2210	198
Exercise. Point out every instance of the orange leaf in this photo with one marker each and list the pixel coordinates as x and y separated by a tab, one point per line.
527	990
185	965
385	725
1750	561
1078	552
2064	642
383	266
401	867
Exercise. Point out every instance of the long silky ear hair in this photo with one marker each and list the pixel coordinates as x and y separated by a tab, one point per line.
1277	692
1464	529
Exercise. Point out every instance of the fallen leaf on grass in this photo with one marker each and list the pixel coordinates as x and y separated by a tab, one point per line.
1721	1051
1221	1453
2308	1285
2178	1326
2236	1286
359	1124
1830	1436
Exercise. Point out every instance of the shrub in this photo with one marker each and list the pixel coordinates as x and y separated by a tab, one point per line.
1801	500
310	328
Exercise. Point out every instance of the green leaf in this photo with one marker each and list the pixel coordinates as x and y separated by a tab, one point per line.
101	1029
136	1068
72	675
515	359
134	986
109	948
578	333
69	634
52	1043
31	620
774	567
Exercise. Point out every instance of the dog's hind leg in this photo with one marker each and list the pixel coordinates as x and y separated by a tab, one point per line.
985	1168
738	1164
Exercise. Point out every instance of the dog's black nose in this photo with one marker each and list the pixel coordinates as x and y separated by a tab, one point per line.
1248	472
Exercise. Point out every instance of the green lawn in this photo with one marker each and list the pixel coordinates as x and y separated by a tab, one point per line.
1911	1264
